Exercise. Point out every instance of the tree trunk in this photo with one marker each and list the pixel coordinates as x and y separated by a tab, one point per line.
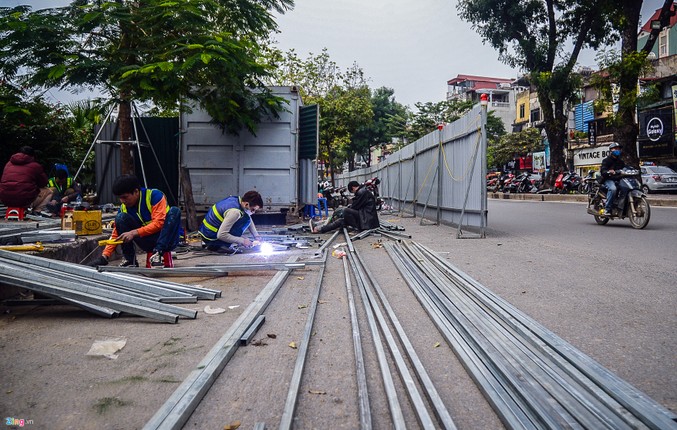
555	129
625	133
126	149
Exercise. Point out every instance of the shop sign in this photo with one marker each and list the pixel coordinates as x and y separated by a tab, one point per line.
590	156
654	129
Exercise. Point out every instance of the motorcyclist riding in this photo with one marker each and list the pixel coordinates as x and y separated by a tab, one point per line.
610	170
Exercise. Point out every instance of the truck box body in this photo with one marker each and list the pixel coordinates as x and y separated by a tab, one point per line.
221	164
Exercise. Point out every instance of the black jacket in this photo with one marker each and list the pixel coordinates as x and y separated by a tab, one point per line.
365	203
611	163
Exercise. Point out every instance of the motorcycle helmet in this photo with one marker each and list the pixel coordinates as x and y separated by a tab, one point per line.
614	145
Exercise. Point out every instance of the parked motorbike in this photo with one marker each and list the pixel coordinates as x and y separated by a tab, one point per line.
519	184
587	182
372	185
566	183
634	206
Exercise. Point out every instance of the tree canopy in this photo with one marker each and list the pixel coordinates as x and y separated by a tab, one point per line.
534	36
201	52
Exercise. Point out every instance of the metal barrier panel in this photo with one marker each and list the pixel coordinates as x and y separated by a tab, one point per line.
443	173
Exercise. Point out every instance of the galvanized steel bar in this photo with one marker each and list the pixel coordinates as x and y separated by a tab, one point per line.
652	414
425	420
295	383
511	414
327	243
41	284
177	409
362	392
251	330
94	290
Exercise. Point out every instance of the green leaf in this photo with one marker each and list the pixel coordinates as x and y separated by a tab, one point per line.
195	46
206	58
57	71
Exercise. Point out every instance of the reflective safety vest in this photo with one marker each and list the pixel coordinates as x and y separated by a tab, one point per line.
52	184
214	218
144	208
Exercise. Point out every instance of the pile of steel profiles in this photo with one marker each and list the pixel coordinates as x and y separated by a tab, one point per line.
213	270
376	311
100	293
179	407
533	378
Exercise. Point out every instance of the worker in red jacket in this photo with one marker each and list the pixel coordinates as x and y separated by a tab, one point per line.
24	182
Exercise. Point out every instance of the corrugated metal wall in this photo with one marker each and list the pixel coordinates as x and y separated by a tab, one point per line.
450	181
222	165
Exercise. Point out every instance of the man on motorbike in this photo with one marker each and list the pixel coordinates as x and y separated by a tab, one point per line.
610	171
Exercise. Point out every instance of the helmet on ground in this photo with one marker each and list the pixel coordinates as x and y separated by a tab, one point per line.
614	145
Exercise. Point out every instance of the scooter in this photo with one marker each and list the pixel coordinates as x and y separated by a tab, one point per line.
372	185
634	206
587	182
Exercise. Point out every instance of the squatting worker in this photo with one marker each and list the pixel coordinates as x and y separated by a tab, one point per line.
361	214
24	182
227	220
64	190
144	219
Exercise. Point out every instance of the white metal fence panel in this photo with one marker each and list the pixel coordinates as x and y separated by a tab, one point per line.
440	176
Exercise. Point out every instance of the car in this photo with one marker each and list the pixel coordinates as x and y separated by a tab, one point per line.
658	179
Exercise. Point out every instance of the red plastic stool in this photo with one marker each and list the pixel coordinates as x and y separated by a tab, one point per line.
166	259
14	213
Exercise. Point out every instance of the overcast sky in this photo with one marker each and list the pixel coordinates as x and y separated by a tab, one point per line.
412	46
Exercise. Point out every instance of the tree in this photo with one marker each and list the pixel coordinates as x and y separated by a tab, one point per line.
429	115
343	98
206	53
27	119
495	131
532	35
386	125
512	144
625	71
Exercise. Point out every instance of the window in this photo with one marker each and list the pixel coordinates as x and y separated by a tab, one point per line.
663	44
535	115
522	109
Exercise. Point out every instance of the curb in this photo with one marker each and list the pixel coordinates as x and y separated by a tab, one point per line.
653	201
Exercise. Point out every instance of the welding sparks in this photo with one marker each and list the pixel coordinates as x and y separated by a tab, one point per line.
266	249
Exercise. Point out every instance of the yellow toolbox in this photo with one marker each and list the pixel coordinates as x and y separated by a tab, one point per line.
87	222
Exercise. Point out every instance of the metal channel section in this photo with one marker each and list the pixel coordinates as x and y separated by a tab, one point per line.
440	410
521	372
388	383
362	392
508	410
89	273
220	270
530	376
295	383
181	404
73	286
58	288
590	374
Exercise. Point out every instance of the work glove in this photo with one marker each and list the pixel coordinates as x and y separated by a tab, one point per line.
100	261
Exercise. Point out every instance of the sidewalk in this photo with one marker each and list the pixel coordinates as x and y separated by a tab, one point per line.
669	200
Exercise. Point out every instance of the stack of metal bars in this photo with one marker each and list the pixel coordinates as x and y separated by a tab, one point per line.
533	378
100	293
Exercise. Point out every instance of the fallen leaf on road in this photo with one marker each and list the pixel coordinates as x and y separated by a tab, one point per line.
293	345
303	306
437	345
300	278
232	426
272	335
317	392
259	342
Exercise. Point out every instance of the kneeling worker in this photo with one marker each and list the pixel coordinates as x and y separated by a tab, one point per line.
145	219
228	219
